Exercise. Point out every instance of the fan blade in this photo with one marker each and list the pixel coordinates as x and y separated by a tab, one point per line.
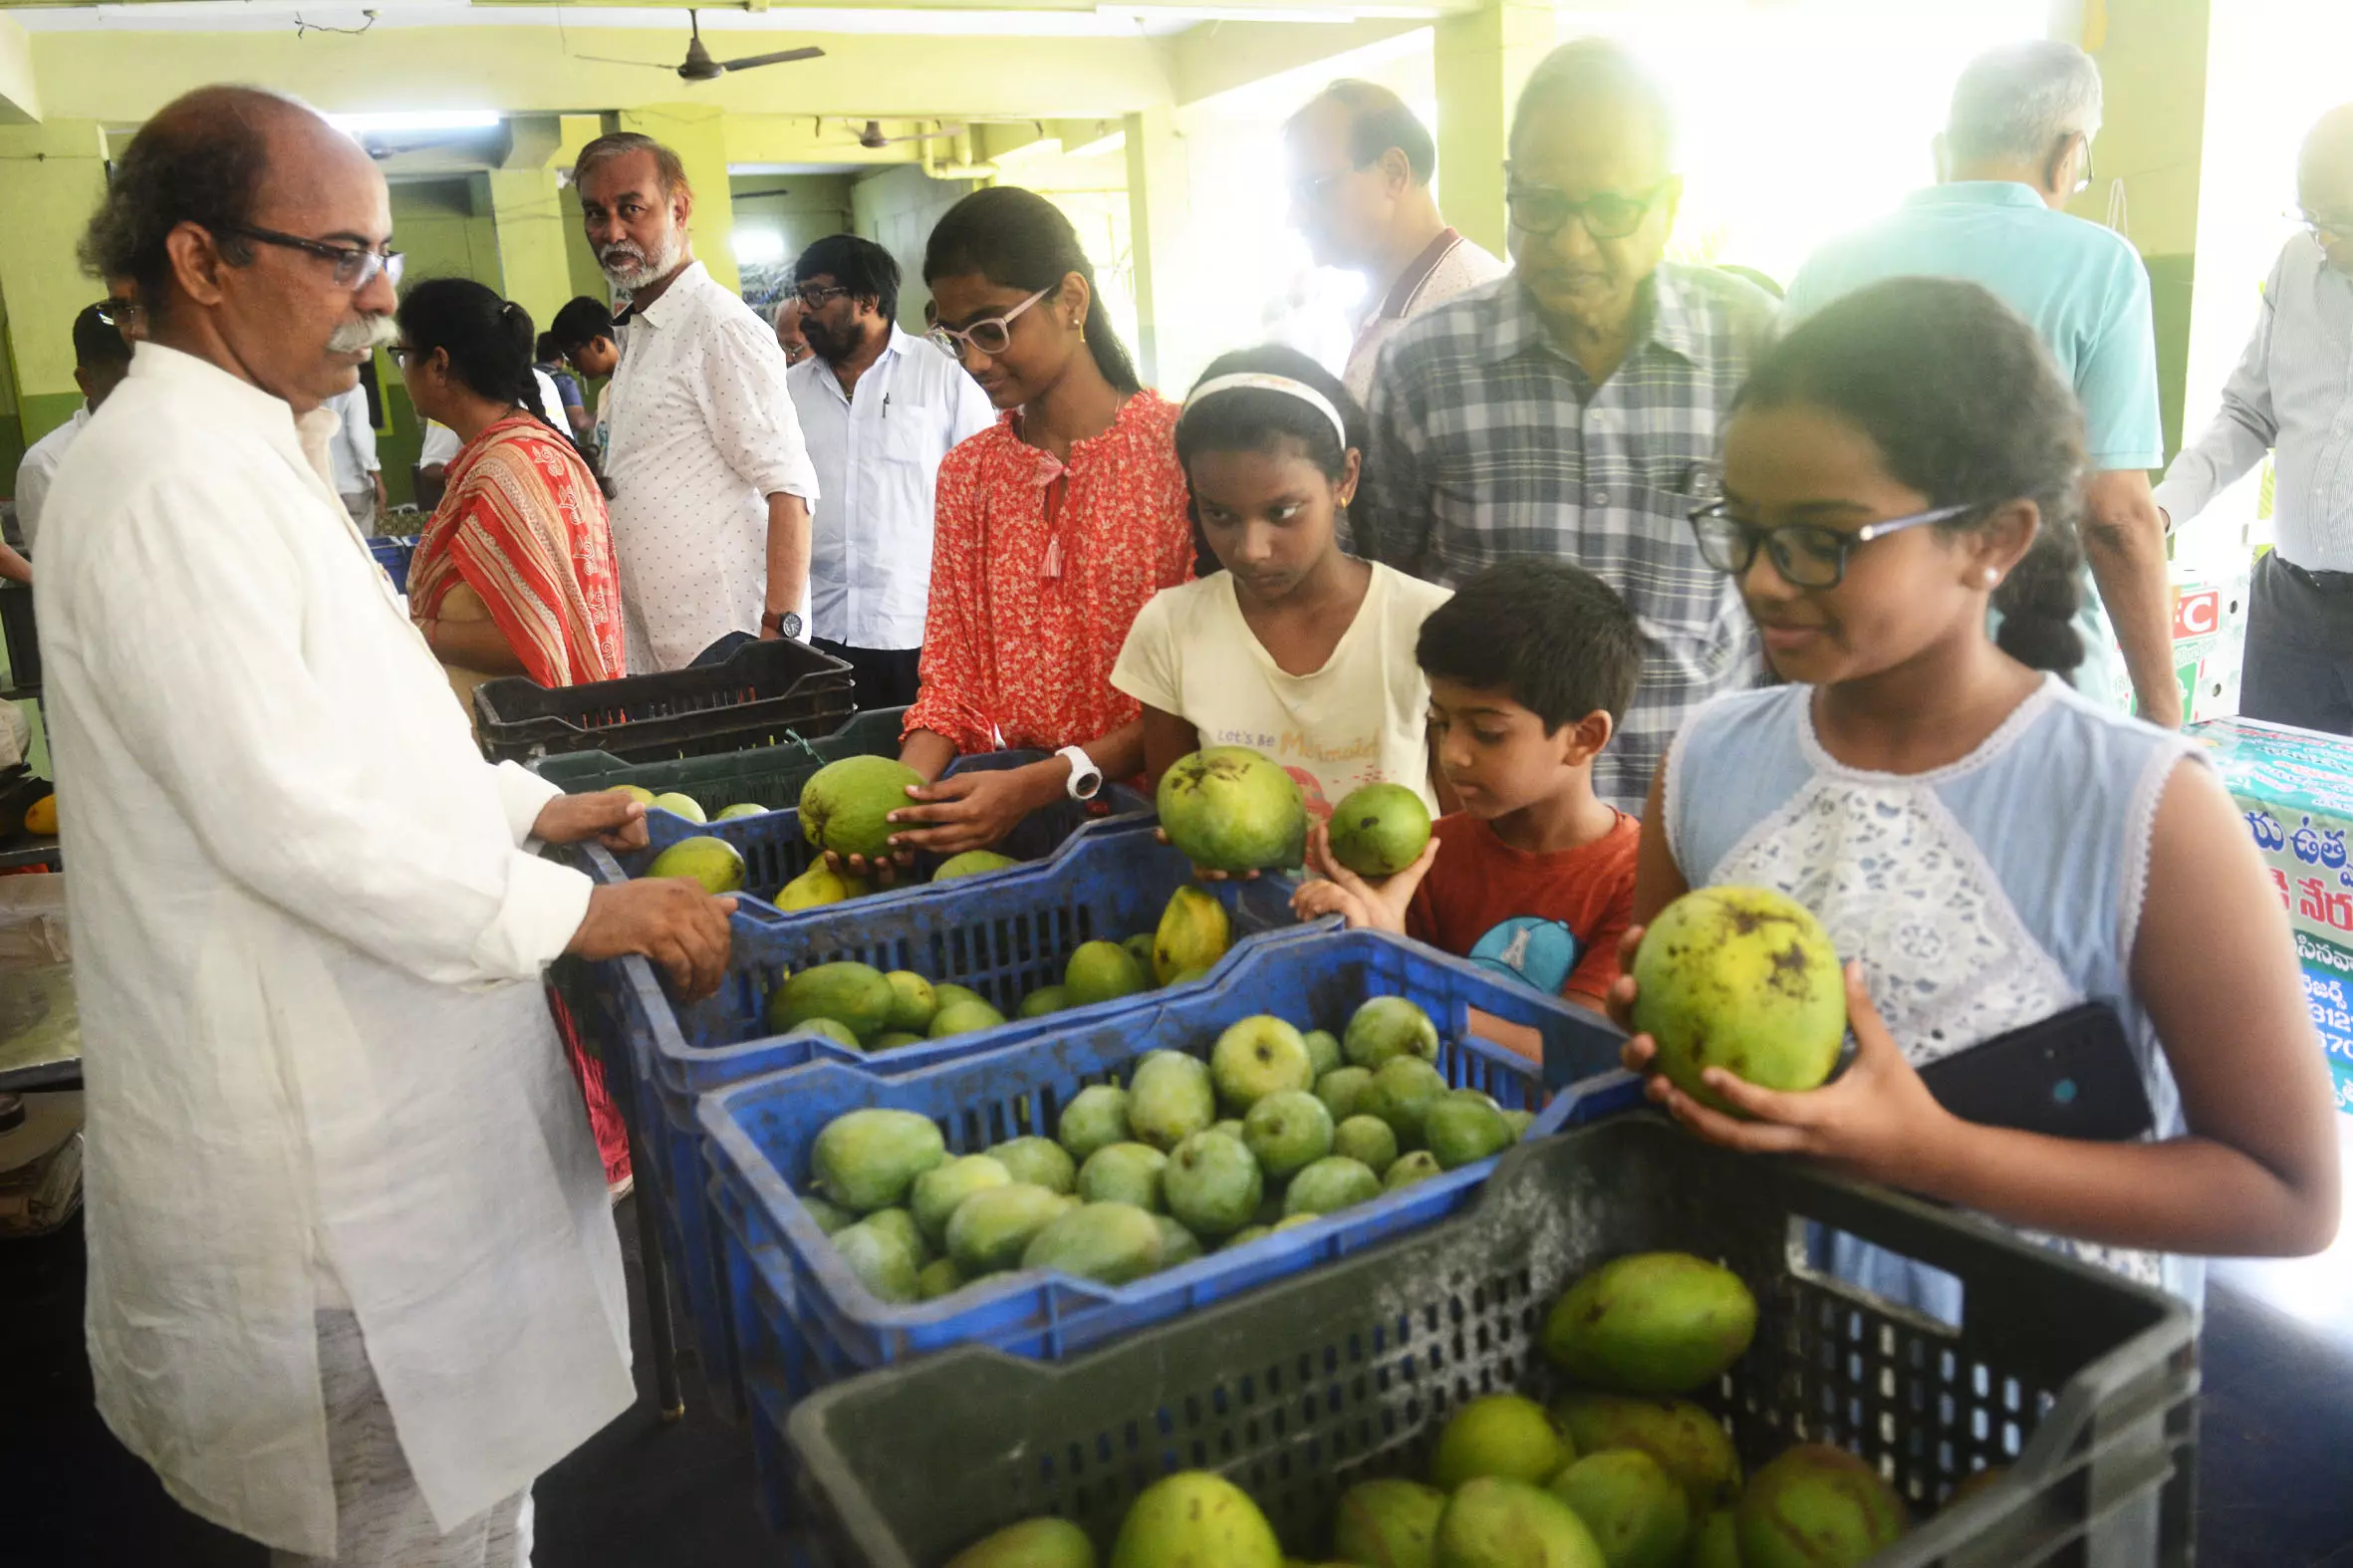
782	58
607	60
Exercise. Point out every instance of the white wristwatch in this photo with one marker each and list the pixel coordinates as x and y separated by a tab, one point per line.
1085	777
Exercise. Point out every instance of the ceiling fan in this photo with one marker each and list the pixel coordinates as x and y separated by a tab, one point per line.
698	66
872	136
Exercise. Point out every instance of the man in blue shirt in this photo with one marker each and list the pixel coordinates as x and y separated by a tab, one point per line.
2016	146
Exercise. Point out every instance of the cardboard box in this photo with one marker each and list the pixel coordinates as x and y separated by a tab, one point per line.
2210	643
2295	791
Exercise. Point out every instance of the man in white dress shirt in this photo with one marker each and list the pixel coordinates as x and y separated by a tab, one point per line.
1360	163
359	477
353	1280
100	359
711	484
2292	394
880	409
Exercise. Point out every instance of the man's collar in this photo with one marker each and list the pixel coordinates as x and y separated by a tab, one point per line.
1406	284
152	361
1977	193
683	283
1659	307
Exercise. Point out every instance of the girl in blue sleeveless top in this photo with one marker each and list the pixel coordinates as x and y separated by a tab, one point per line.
1986	847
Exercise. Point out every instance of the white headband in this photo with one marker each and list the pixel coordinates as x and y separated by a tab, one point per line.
1252	380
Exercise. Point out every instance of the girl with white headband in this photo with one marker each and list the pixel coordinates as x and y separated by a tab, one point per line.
1297	648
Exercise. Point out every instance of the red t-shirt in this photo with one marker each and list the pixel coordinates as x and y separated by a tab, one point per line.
1549	921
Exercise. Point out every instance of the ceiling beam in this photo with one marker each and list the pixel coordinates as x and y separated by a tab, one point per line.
122	78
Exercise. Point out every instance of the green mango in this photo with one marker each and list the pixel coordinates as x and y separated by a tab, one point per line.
1652	1323
1039	1160
1815	1506
940	1191
1193	1519
1688	1443
992	1228
867	1160
1388	1523
855	994
1498	1434
1495	1523
1033	1543
1638	1514
1110	1242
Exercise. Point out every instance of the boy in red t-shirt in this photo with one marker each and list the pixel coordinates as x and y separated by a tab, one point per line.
1530	667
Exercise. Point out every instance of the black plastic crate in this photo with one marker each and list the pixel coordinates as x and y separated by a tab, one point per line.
2079	1381
765	694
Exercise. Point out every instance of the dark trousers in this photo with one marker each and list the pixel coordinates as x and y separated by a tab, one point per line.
885	676
2299	647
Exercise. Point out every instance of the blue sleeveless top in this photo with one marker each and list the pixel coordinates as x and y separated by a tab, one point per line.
1980	897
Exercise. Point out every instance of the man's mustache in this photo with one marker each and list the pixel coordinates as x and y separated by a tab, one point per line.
365	335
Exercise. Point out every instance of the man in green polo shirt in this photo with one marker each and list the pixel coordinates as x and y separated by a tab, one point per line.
2016	146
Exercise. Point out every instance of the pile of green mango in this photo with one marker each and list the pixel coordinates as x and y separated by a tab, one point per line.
1622	1472
859	1005
1144	1176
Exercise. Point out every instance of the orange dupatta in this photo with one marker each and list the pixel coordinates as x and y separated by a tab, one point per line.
522	523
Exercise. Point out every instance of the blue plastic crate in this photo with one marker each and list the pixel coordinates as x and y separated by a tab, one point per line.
803	1322
1004	934
393	554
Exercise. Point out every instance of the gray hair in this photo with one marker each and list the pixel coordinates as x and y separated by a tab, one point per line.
667	169
2021	99
1598	68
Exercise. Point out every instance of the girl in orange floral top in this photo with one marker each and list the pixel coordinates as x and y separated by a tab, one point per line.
1052	530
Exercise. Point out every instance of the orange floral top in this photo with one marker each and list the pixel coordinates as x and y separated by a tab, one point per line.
1038	568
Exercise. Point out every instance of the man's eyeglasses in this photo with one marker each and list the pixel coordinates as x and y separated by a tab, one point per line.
355	267
992	336
1544	211
1807	555
2323	226
815	295
118	312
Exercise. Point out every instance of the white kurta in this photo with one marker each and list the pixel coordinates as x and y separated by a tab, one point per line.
701	432
308	949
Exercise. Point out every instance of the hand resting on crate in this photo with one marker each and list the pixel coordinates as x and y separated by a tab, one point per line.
612	819
667	920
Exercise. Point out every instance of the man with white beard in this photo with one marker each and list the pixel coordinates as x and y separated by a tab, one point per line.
712	483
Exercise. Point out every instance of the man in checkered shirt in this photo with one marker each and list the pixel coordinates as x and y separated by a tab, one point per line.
1560	412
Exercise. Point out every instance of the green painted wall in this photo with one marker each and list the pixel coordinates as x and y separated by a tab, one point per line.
896	211
439	227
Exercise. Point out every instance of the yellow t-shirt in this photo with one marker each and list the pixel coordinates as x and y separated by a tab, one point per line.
1361	719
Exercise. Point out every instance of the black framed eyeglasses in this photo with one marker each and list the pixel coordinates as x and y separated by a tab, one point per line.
1544	211
815	295
118	312
991	336
355	266
1807	555
400	355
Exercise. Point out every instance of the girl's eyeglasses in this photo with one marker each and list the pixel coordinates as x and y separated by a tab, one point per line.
1807	555
992	336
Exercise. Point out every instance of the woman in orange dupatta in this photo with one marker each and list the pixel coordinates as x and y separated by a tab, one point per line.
514	575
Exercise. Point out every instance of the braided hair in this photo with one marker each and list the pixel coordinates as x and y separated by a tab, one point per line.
1966	406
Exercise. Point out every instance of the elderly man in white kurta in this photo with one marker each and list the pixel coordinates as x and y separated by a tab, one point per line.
353	1278
711	482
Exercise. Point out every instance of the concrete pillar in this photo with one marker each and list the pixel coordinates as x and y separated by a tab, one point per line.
1478	61
57	175
528	213
697	133
1160	223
